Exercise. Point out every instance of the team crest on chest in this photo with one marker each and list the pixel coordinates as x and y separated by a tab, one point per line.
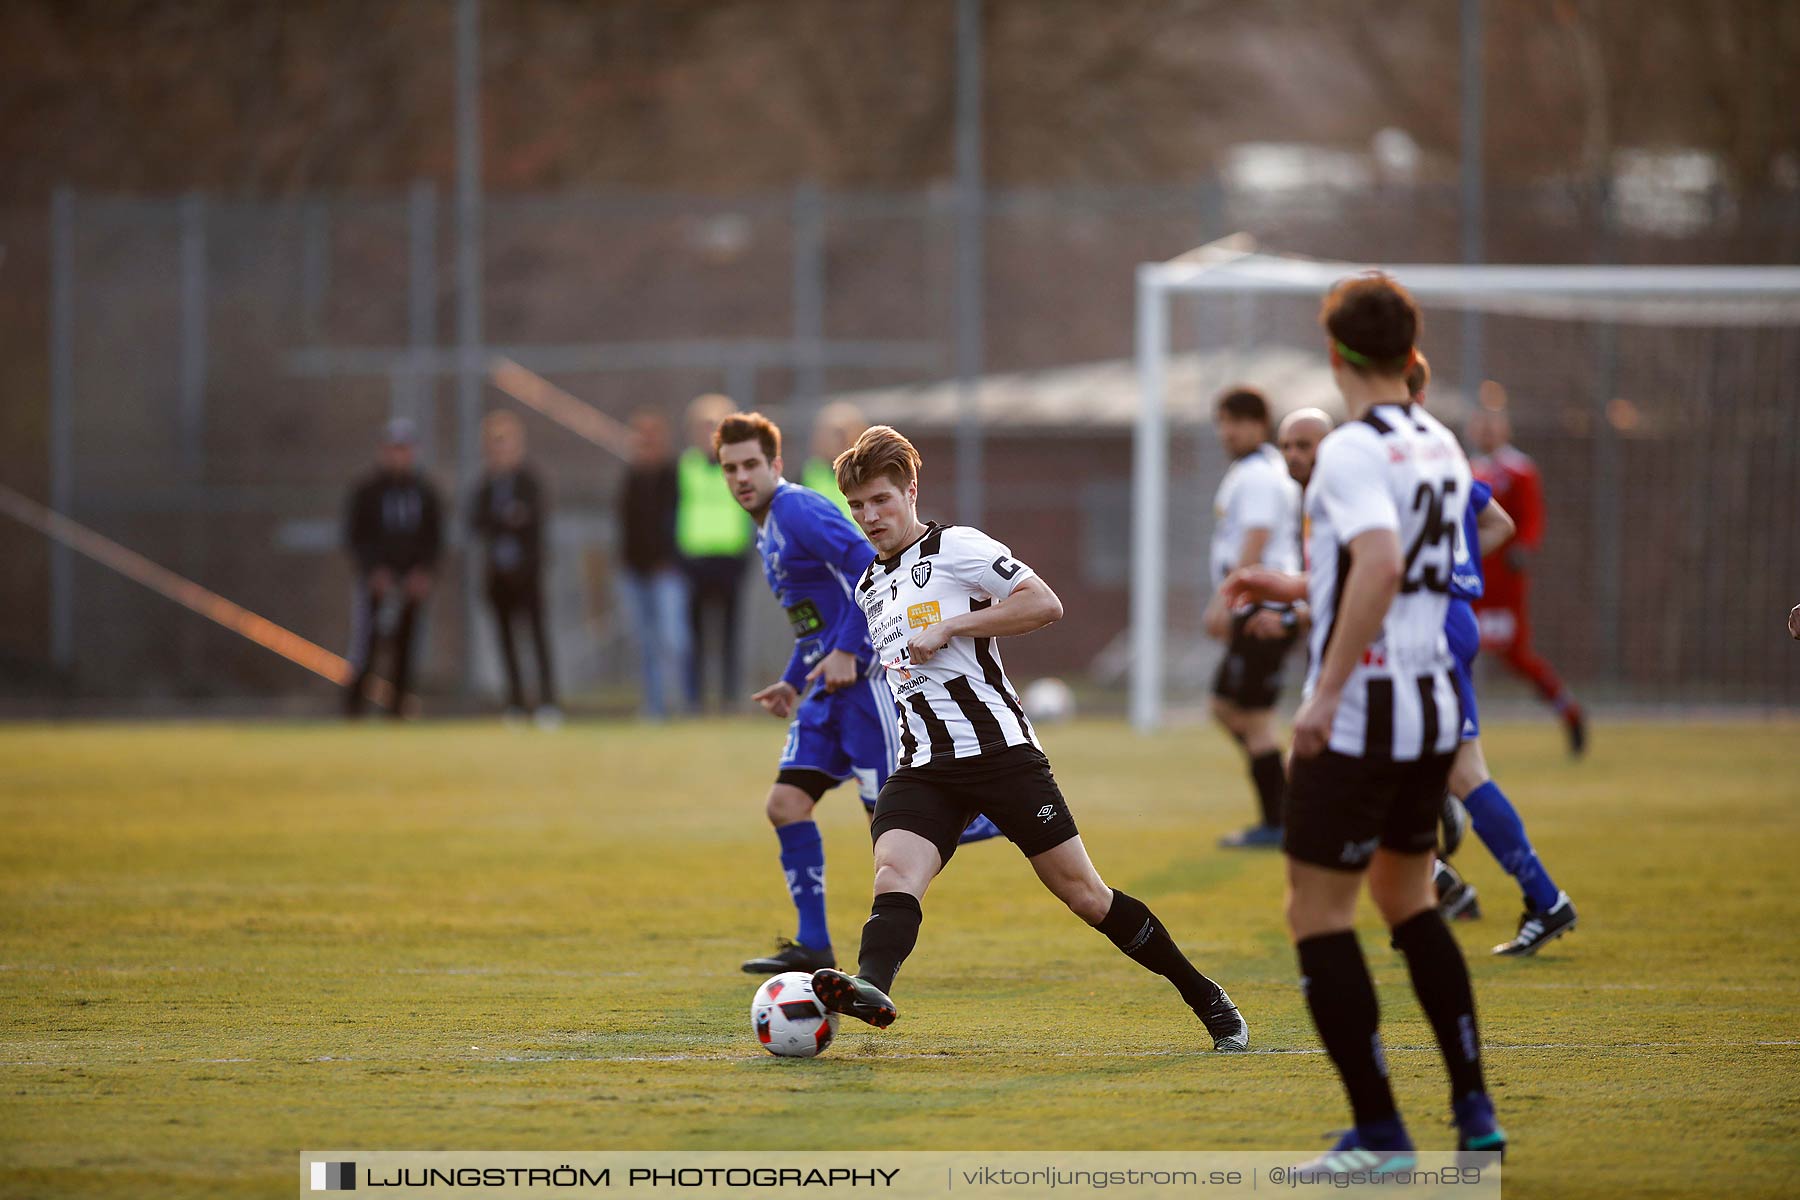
921	572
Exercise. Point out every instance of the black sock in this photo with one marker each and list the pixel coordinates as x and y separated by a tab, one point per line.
888	937
1137	933
1441	979
1271	785
1344	1010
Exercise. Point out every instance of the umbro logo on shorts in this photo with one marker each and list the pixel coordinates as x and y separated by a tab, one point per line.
1358	852
1046	812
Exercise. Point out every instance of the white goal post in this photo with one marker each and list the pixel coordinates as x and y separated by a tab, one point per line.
1626	295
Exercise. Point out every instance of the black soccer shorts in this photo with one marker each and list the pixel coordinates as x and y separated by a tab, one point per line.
1250	673
1014	787
1339	808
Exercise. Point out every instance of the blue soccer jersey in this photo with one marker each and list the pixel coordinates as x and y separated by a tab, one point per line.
1465	571
1460	627
812	557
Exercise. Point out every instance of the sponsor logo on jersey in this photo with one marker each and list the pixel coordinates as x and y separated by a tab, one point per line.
924	615
921	572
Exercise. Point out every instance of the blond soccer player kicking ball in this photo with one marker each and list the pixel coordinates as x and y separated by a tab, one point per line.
938	598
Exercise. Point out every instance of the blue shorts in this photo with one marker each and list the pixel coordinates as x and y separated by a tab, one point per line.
847	734
1464	635
852	734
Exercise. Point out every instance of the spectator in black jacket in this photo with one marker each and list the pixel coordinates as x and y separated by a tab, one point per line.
393	531
508	513
655	588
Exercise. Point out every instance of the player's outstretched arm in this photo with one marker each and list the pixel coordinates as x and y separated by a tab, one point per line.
1262	585
1495	527
1031	606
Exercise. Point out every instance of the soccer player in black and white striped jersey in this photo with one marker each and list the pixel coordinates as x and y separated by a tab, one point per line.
937	598
1377	731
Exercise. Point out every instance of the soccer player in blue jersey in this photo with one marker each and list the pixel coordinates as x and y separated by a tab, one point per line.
1549	913
840	714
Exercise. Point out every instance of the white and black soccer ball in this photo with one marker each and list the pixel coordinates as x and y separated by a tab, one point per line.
1048	700
788	1018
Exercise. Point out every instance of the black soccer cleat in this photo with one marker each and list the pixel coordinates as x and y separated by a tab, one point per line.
1536	929
1575	723
1453	826
791	957
1455	895
1229	1032
854	997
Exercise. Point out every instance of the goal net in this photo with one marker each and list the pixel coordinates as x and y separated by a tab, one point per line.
1661	404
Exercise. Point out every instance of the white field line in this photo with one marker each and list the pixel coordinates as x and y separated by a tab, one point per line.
973	1055
1784	987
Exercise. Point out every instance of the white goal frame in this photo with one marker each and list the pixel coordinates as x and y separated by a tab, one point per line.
1630	294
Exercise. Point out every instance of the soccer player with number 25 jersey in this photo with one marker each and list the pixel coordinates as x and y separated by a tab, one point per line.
1379	725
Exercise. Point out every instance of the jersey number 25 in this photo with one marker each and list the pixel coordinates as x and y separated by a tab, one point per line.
1435	535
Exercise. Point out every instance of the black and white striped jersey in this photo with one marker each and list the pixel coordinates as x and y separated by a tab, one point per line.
1256	493
1397	469
960	704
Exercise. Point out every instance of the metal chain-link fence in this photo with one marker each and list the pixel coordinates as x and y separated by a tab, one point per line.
201	379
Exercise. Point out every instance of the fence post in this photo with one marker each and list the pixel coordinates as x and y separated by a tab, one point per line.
1474	199
969	260
1605	479
421	381
62	422
191	415
809	306
194	303
468	299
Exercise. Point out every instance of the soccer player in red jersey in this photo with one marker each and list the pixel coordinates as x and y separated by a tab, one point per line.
1503	609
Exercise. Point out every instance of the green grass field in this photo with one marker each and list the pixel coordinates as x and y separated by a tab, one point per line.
220	945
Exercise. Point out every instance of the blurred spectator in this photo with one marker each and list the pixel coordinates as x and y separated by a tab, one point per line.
508	513
1794	622
393	531
713	534
835	430
655	589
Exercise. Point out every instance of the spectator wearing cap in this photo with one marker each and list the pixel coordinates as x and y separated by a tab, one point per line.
508	513
393	531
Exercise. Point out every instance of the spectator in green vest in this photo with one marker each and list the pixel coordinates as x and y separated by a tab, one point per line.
713	535
835	430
